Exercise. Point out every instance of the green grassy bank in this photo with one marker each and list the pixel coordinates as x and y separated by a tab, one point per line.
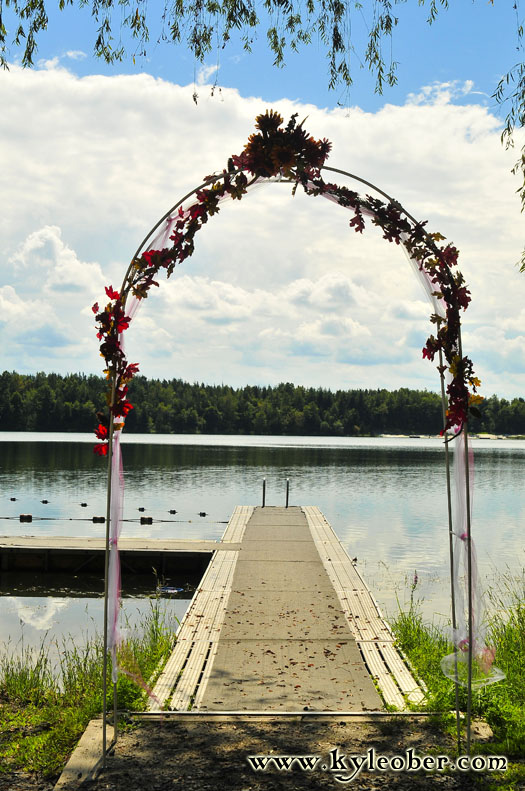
46	703
502	705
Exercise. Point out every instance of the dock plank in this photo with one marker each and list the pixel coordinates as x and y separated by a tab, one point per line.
94	544
373	635
200	628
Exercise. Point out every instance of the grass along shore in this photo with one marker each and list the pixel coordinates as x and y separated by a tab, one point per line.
501	705
44	709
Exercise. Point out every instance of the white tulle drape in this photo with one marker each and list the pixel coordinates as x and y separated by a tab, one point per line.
115	526
470	633
482	654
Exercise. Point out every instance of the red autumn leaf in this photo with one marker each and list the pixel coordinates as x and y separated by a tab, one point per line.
196	211
101	431
357	222
112	294
129	372
149	255
176	238
122	409
95	308
102	450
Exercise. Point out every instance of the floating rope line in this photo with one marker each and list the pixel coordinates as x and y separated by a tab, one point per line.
129	520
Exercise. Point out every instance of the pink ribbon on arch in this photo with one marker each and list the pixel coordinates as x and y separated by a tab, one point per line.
461	537
115	527
114	581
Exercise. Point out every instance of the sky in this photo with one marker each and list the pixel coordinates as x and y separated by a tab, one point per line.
279	288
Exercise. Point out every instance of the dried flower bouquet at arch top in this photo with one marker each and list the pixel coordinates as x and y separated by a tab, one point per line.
290	152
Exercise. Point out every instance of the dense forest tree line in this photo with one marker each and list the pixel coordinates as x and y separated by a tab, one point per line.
51	402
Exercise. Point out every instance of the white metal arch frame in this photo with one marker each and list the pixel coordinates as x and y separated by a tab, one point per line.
113	431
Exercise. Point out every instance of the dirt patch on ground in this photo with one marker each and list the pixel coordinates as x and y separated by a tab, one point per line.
210	756
22	781
207	756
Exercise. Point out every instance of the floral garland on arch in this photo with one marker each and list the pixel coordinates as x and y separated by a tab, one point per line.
288	151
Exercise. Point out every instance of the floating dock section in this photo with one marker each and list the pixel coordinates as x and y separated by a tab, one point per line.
283	621
70	554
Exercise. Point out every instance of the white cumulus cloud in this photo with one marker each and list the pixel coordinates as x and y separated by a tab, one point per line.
279	287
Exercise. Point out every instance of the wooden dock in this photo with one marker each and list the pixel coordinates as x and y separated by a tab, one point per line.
86	554
283	621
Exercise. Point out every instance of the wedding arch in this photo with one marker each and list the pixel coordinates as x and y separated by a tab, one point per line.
275	153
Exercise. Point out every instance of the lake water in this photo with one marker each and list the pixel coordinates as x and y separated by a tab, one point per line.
384	497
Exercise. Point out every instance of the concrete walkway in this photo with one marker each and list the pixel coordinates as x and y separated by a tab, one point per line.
284	642
283	623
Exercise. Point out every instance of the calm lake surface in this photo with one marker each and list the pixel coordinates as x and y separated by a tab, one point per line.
385	498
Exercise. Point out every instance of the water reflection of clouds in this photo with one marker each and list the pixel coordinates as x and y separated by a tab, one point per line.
55	621
390	550
41	614
398	550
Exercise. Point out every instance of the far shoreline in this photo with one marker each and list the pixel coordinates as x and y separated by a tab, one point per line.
284	440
